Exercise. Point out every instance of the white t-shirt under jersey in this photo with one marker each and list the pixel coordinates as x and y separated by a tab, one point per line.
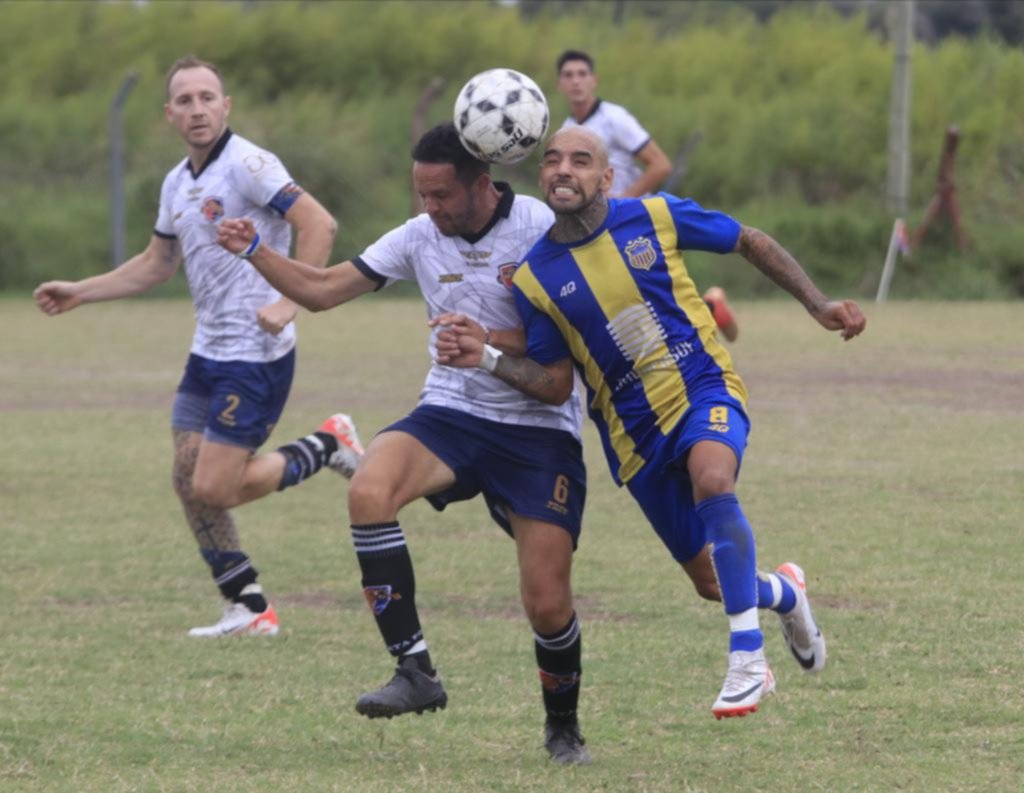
623	136
238	180
472	276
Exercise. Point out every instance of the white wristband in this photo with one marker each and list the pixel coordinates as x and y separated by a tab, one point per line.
489	359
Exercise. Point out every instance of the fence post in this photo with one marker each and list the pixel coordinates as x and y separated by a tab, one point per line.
117	167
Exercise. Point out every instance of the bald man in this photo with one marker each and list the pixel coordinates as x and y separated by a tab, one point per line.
639	165
607	290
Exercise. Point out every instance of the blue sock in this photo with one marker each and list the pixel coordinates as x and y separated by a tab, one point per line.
734	556
766	597
748	641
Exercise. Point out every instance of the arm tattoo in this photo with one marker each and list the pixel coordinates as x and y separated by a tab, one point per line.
779	265
527	376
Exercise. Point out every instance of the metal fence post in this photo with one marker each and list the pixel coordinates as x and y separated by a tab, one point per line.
117	167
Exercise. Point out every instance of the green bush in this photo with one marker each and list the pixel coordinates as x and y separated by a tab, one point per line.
793	114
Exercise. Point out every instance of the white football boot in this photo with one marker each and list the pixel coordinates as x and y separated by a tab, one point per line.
798	627
749	679
238	620
350	450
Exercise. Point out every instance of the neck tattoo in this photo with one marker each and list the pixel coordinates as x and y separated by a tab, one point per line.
576	226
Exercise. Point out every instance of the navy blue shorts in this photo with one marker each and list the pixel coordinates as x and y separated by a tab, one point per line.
663	488
232	402
536	472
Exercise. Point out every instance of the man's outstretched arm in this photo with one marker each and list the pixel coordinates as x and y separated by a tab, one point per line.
778	264
311	287
142	272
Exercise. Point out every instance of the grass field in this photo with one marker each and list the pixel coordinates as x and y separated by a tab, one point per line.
891	468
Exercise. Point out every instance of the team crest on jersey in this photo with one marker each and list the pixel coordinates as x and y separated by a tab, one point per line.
505	273
641	253
379	597
213	208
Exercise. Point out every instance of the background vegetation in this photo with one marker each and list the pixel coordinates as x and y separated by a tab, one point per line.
889	467
792	107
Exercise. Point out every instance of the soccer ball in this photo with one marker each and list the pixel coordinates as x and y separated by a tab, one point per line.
501	115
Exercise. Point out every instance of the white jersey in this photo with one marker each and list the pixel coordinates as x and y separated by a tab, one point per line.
472	276
623	136
238	180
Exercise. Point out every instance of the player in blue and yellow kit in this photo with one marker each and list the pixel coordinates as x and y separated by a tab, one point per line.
607	290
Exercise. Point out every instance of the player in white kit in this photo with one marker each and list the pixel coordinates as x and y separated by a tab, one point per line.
470	433
242	357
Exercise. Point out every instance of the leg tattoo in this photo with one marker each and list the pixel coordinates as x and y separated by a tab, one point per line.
214	529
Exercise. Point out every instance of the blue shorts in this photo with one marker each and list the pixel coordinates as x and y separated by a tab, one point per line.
663	488
232	402
536	472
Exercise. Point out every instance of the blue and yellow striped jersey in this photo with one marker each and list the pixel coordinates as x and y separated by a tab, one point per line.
621	304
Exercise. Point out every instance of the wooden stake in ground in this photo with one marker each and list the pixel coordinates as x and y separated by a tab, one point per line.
945	194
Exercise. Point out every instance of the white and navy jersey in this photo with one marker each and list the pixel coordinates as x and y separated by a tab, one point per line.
471	276
238	180
623	136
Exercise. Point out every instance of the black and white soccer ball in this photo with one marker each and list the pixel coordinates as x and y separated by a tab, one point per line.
501	115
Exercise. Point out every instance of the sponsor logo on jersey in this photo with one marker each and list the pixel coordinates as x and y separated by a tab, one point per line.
379	597
255	163
476	258
671	360
212	208
505	273
641	253
450	278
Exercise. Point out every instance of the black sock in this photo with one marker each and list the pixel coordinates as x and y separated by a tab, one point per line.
236	578
559	658
389	586
252	597
305	456
420	661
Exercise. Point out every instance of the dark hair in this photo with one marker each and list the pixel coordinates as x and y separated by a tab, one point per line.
441	145
192	62
574	55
